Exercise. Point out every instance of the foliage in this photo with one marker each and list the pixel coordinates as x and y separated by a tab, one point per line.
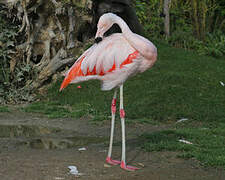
8	32
184	26
12	78
148	14
214	44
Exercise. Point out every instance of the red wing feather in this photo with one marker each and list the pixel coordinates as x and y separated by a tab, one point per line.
73	73
76	71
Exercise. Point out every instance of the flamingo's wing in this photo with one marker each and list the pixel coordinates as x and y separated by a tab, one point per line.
100	59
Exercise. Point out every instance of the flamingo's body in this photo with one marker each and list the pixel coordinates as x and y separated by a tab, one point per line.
112	61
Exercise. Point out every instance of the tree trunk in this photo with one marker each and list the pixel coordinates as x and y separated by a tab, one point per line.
199	10
167	17
194	4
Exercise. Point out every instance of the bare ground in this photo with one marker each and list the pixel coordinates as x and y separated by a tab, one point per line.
33	147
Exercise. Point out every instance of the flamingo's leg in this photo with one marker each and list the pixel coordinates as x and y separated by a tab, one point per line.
113	110
122	116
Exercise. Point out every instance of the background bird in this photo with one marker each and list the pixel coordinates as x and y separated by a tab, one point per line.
113	60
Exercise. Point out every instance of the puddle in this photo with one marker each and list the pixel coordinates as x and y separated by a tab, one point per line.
25	131
63	142
39	137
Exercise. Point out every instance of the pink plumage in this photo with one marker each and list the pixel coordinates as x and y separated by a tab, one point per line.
112	61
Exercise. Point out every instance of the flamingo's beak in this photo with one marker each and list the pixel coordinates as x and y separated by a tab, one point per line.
99	35
98	39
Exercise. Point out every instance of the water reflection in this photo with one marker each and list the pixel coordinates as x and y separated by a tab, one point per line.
40	137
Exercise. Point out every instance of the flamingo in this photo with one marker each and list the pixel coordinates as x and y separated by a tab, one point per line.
113	60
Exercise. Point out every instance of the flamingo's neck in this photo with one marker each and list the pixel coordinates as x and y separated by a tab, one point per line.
123	26
140	44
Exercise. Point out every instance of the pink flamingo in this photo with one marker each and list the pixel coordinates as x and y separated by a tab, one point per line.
112	60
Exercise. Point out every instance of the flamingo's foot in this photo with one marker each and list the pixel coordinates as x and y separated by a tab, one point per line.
112	162
127	167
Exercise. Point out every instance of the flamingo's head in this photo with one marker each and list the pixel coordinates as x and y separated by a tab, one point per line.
104	23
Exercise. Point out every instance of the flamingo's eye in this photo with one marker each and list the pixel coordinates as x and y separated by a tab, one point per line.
101	27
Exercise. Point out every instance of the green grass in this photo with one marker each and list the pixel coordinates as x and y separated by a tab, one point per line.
182	84
4	109
53	109
208	144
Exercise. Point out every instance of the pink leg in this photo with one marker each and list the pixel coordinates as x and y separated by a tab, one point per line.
113	110
122	116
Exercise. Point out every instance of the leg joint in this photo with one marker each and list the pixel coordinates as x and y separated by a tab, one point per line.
122	113
113	106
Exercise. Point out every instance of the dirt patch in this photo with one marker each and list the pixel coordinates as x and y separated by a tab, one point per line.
37	148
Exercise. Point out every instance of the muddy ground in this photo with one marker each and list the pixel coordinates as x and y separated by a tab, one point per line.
33	147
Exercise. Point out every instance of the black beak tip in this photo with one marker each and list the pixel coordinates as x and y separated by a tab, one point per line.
98	39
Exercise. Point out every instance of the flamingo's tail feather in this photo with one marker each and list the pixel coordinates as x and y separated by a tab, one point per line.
74	72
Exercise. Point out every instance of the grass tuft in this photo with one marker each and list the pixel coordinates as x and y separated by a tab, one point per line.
208	145
4	109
